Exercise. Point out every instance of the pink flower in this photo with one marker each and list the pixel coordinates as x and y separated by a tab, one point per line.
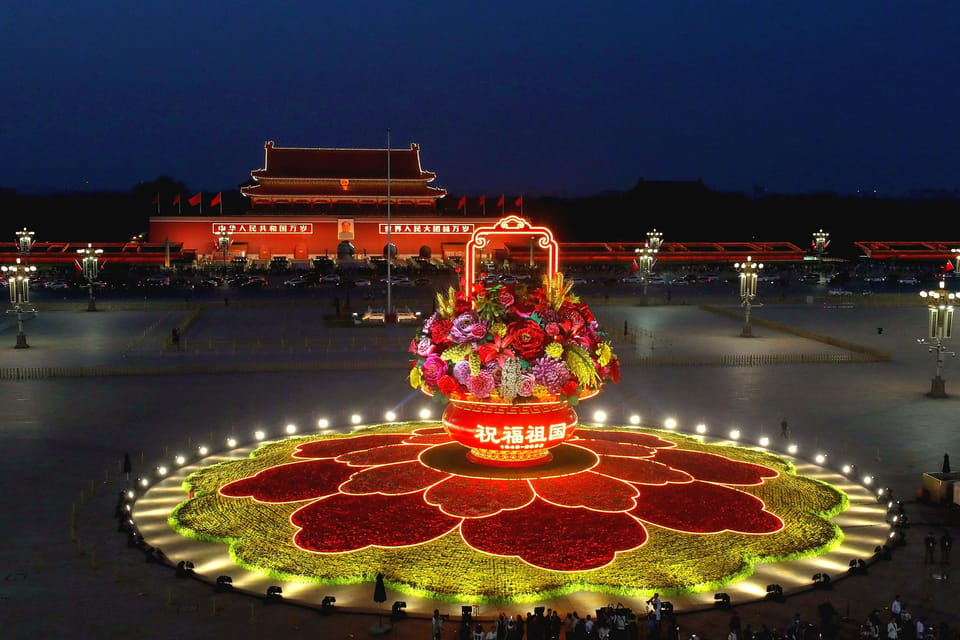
433	368
481	384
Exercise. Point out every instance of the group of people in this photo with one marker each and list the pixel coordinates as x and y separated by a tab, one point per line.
609	623
930	545
901	625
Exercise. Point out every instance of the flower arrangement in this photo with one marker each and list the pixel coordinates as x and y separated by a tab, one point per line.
512	343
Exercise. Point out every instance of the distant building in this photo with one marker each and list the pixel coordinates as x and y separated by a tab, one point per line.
355	181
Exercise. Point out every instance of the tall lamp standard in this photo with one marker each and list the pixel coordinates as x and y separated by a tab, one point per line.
939	328
18	281
654	240
646	258
223	243
820	241
91	266
749	270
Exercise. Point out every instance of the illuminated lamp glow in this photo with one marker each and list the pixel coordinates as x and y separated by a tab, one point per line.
792	449
323	423
634	419
846	469
735	434
162	470
259	435
131	494
820	458
355	418
291	428
425	413
599	415
231	442
868	480
670	423
701	428
202	450
180	460
764	441
144	482
390	416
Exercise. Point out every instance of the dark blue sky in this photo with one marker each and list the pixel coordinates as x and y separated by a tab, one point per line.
516	97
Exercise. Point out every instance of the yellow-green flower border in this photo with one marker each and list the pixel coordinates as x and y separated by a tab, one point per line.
671	563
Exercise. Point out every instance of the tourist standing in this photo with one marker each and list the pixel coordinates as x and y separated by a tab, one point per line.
929	544
945	543
437	623
893	629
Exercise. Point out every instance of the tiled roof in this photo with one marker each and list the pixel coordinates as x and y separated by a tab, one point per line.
341	163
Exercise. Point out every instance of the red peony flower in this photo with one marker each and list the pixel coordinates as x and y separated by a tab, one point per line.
447	385
528	338
373	490
440	329
569	388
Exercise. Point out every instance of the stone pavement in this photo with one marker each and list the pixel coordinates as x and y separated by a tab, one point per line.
70	574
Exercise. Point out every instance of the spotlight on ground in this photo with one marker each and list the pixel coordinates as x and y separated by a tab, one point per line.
397	612
774	592
897	538
858	567
326	605
274	594
184	569
224	583
822	581
666	607
721	600
882	552
884	494
291	428
390	416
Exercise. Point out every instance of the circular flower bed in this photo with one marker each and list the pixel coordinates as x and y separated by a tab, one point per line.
622	511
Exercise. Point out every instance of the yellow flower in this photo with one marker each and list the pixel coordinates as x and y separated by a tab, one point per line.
604	354
474	364
554	350
416	377
498	329
456	353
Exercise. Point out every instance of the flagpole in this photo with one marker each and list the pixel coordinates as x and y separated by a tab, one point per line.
388	317
179	205
221	203
521	205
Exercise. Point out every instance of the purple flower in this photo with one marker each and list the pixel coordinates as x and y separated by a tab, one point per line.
481	385
551	373
425	346
461	371
465	326
433	368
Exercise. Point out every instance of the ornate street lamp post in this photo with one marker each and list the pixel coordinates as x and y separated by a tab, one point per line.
646	258
939	329
91	266
24	242
821	239
749	271
654	240
18	281
223	243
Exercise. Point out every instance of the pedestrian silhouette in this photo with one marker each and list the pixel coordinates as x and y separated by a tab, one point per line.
175	337
946	463
784	428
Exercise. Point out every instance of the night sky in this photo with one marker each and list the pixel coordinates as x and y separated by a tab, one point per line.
547	98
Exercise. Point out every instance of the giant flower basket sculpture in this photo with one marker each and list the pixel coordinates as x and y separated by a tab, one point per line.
511	359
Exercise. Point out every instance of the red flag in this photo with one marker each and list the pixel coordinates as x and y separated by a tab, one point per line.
461	203
500	202
948	266
194	200
156	199
483	201
518	202
176	199
634	266
216	200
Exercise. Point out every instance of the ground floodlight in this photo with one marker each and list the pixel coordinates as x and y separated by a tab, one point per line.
764	441
735	434
397	612
847	469
634	419
184	569
259	434
792	449
701	428
291	428
162	470
356	418
867	480
884	494
666	607
202	450
858	566
882	552
822	581
774	592
323	423
670	423
326	605
274	593
231	442
390	416
224	583
425	413
180	460
600	416
721	600
820	458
